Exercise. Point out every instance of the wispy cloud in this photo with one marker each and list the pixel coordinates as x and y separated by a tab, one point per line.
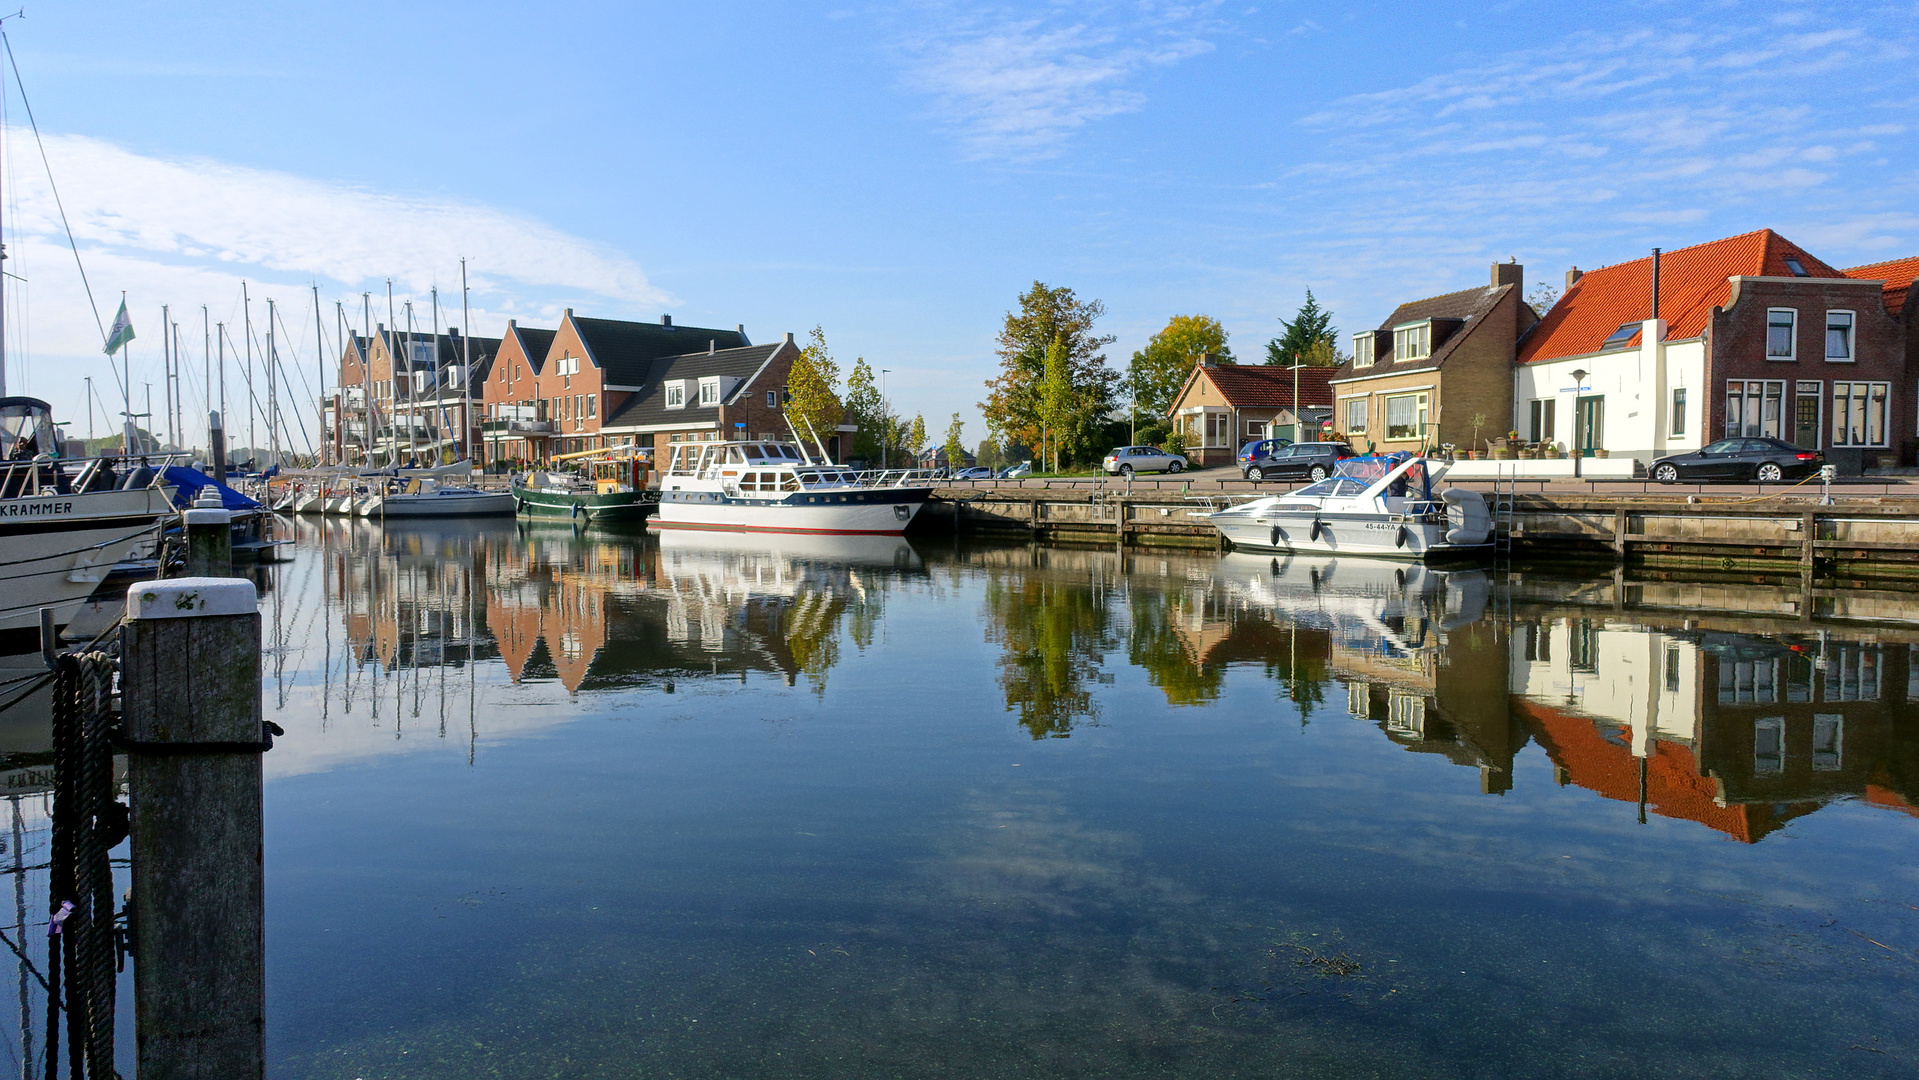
1017	86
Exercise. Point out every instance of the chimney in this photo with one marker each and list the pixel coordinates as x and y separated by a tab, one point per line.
509	325
569	313
452	331
1572	276
666	321
1207	359
712	346
1655	283
1510	273
789	337
740	329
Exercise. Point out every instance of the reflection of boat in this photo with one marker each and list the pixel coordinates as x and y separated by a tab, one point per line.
765	486
430	498
1378	506
892	551
1378	595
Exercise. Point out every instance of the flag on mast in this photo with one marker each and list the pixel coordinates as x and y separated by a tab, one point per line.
122	330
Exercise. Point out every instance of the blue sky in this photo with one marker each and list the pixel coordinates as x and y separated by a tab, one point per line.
899	173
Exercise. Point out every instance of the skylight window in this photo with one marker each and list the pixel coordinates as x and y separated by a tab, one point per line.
1621	335
1798	268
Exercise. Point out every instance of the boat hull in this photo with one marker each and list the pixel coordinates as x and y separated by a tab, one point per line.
478	504
1307	532
58	549
834	512
583	506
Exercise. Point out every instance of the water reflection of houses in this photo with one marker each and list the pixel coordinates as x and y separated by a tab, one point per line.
1737	731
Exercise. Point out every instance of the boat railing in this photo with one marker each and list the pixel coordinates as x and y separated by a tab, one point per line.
65	476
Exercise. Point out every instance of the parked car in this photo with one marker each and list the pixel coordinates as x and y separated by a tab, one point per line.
1309	461
1127	460
1253	451
1739	461
1015	472
976	472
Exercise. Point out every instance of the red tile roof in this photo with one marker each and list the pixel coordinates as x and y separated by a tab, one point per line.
1692	281
1264	386
1896	273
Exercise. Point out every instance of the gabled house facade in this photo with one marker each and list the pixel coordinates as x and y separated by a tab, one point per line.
711	395
1422	377
403	397
515	427
1741	337
1221	407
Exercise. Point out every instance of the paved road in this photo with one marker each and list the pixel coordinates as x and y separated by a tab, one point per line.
1226	478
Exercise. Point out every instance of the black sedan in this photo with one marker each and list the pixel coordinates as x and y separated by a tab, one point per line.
1301	461
1740	461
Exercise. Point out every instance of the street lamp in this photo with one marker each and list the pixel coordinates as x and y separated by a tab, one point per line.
886	429
1579	452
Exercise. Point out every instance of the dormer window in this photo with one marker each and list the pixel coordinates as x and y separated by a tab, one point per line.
710	391
1414	342
675	395
1363	354
1620	336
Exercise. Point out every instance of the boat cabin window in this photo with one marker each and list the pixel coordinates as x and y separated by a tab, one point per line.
1343	487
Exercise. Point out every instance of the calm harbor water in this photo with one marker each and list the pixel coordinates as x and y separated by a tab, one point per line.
553	804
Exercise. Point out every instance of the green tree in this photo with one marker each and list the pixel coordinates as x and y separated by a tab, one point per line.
989	454
1013	405
1160	369
1310	326
865	410
815	409
916	436
954	448
1055	636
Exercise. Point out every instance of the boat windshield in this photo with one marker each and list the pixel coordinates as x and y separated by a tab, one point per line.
1338	487
1368	470
26	429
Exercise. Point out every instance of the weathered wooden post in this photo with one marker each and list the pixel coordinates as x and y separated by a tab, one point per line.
209	528
190	683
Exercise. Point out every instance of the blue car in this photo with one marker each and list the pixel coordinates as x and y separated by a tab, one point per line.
1263	448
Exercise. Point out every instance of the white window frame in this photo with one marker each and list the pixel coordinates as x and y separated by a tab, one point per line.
420	381
1542	418
1768	391
1842	414
1406	338
709	391
772	401
1422	401
1364	352
1792	334
675	394
1360	428
1851	337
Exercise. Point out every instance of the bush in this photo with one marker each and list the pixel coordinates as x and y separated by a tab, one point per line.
1176	442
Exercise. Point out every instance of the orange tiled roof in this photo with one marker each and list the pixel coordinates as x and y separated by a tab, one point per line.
1896	273
1692	281
1262	386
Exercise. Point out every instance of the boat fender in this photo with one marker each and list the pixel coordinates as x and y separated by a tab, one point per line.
1317	528
1467	519
1399	541
1278	535
519	506
576	510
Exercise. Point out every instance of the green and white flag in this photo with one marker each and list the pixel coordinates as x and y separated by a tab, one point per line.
122	330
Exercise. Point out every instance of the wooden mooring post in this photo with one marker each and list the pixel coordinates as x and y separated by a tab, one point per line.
190	654
209	527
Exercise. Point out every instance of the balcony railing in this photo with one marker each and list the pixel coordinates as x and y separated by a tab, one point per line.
516	427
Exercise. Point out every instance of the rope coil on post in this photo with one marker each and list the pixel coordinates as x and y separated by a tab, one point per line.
88	821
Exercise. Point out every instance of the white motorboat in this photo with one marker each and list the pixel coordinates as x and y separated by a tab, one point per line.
64	525
426	497
766	486
1383	507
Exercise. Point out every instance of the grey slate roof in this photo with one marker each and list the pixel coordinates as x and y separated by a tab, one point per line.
1463	307
648	407
535	342
626	351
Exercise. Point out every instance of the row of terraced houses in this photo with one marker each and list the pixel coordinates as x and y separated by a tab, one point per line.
535	393
1748	336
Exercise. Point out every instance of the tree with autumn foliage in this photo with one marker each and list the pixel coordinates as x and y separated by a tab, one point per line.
1084	387
1160	369
814	409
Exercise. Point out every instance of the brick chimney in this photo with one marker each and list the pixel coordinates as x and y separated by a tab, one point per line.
666	321
1510	273
1574	275
1207	359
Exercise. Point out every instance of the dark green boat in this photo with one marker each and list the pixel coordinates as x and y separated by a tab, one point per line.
581	499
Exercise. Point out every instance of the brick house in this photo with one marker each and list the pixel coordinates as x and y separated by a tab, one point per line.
1419	379
714	394
515	427
1221	407
1751	336
417	385
1897	276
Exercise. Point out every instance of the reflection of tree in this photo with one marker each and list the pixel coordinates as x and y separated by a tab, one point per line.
810	626
1305	670
1055	635
1157	647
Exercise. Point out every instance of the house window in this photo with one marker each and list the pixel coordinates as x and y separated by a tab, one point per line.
676	395
710	391
1769	745
1405	416
1754	408
1674	667
1679	411
1839	336
1363	350
1798	268
1859	413
1356	416
592	408
772	399
1780	324
1542	419
1413	342
1828	741
1255	429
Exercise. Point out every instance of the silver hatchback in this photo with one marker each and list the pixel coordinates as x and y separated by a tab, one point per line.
1127	460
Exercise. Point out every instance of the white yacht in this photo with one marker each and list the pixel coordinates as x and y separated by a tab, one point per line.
427	497
765	486
65	524
1379	506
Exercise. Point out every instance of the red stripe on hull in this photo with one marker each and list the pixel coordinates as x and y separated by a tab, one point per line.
656	523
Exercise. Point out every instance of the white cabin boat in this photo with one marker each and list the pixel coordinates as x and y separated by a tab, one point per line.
1383	507
426	497
766	486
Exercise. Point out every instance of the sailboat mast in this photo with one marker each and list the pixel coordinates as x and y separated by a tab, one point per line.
468	425
319	361
206	365
273	402
366	373
439	406
166	369
393	364
246	309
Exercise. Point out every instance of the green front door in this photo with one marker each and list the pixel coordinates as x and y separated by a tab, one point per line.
1592	425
